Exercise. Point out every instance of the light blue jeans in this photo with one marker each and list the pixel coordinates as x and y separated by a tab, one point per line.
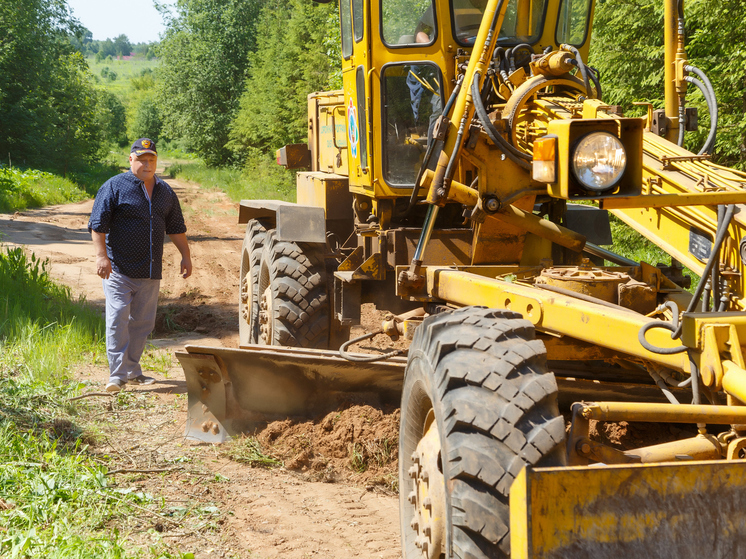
130	316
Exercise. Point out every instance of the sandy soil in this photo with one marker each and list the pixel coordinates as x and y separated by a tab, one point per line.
334	497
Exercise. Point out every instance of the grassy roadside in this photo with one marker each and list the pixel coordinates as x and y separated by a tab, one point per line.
21	189
57	498
261	179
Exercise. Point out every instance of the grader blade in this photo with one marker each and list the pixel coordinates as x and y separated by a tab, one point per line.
671	510
233	391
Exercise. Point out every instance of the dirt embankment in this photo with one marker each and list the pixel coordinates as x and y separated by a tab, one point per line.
291	512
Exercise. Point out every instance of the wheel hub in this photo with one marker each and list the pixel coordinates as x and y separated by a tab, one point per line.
246	299
428	495
265	317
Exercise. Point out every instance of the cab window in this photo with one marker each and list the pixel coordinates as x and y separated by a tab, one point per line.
523	23
345	20
412	98
408	22
358	19
572	24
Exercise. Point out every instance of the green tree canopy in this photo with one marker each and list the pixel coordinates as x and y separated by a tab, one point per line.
47	100
204	57
291	61
628	50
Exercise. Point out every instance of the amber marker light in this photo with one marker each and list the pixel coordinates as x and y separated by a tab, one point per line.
545	159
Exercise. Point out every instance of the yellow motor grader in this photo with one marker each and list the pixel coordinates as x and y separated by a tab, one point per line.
462	181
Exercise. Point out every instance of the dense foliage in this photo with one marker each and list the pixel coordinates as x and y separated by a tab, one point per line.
51	113
204	56
628	50
290	62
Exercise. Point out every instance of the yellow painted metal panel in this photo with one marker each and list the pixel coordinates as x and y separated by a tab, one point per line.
549	311
670	510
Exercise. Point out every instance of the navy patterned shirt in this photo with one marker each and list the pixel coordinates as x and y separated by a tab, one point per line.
135	226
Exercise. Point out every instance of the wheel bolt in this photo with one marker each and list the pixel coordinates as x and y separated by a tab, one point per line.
427	503
413	471
412	497
414	524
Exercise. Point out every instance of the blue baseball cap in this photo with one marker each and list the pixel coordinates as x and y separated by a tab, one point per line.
144	145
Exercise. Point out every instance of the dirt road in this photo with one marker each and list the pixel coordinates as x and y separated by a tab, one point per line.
211	505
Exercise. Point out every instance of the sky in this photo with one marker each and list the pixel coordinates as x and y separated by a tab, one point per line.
107	19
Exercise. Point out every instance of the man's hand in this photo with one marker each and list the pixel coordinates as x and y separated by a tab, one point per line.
180	240
103	264
186	267
103	267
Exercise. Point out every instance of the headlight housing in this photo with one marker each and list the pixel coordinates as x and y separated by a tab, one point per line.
599	161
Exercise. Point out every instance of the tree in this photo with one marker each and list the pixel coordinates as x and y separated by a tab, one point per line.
627	48
204	55
112	118
122	46
147	122
290	62
47	100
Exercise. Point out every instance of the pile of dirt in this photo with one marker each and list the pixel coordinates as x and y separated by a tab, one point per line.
359	443
626	435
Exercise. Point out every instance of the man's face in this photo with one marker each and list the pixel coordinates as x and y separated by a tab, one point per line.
143	166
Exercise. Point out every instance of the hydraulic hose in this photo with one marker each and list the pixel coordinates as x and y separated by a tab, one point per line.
511	53
706	88
514	154
714	257
368	358
431	147
583	68
594	74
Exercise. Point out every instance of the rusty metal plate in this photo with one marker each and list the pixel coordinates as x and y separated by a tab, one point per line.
672	510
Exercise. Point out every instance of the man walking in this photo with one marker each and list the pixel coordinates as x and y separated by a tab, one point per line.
131	215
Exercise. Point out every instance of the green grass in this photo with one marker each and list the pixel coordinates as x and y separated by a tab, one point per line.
125	70
42	330
21	189
261	179
54	499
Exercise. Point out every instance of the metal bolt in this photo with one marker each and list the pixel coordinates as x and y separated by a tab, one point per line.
412	497
425	475
418	542
426	530
215	429
428	503
413	471
414	524
425	546
206	426
585	448
491	204
415	457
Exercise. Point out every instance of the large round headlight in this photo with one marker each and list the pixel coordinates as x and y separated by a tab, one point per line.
599	161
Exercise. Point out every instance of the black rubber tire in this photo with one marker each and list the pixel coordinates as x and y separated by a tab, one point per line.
294	276
248	282
484	376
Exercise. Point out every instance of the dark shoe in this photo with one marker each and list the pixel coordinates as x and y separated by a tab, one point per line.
141	380
115	386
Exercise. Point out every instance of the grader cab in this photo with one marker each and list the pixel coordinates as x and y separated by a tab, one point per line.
462	180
